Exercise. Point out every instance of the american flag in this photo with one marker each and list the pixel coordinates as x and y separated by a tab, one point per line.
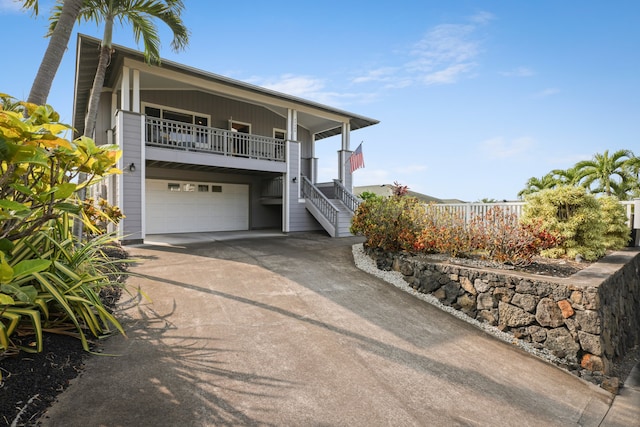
357	159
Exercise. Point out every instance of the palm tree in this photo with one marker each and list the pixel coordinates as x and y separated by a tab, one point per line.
569	176
611	174
534	184
140	14
632	165
58	41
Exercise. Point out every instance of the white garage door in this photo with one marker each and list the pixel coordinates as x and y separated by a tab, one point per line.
184	207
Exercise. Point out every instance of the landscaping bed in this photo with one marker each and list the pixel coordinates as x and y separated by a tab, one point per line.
31	381
580	316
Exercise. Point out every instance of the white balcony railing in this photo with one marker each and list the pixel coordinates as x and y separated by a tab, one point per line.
184	136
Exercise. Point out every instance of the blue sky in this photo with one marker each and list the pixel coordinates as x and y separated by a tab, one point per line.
474	97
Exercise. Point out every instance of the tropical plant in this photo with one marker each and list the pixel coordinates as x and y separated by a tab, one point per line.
399	190
141	15
369	195
391	224
444	231
58	41
569	176
100	214
610	174
45	277
571	214
534	185
501	237
617	231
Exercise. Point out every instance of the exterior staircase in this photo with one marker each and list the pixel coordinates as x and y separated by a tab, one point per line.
332	206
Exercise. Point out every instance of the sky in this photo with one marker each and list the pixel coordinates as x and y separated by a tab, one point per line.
473	97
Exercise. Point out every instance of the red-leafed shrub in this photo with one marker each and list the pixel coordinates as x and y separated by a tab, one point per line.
503	238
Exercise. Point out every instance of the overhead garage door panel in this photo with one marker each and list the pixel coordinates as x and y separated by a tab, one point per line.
183	207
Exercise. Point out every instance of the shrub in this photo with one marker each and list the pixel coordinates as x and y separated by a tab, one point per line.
617	232
99	215
391	224
47	279
444	232
368	195
504	239
573	215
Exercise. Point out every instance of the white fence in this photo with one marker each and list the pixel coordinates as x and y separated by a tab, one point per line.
469	211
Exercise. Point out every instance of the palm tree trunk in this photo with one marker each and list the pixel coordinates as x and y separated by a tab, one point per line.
96	90
55	51
94	102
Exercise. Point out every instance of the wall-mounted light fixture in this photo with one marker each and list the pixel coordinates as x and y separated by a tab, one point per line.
132	167
295	179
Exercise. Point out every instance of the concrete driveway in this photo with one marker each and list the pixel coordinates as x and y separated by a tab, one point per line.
286	331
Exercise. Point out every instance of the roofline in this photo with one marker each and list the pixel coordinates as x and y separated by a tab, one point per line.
225	80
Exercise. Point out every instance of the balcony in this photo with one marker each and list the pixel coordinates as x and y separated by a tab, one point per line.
187	137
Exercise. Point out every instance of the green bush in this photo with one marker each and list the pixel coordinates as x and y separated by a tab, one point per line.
391	224
368	195
47	279
574	215
617	232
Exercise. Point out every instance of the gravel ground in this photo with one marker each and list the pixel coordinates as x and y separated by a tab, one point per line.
621	368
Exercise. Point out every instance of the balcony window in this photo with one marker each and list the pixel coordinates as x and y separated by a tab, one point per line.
171	131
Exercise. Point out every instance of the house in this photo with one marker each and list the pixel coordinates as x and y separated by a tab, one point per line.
203	152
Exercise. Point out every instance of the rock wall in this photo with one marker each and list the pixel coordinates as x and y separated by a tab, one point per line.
587	320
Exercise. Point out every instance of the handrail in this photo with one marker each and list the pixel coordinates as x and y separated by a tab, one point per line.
320	201
345	196
189	137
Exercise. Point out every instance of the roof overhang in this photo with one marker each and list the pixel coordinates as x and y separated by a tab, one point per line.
321	120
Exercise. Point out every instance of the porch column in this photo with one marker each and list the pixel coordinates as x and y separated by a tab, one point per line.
313	167
124	90
136	92
130	189
291	190
344	153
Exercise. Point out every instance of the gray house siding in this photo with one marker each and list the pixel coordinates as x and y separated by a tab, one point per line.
132	199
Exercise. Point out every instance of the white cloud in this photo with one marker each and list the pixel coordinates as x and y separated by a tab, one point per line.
445	44
383	74
545	93
500	148
448	52
448	75
519	72
482	18
308	87
294	85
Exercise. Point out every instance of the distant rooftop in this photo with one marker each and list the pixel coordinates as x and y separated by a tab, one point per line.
386	190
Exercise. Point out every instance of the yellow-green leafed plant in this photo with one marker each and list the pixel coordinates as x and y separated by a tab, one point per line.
573	215
617	232
47	279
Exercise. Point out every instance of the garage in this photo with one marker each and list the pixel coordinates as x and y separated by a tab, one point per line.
174	206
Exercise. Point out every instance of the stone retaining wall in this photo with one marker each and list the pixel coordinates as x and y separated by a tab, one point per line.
588	320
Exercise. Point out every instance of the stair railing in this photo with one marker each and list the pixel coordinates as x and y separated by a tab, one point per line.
345	196
320	201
